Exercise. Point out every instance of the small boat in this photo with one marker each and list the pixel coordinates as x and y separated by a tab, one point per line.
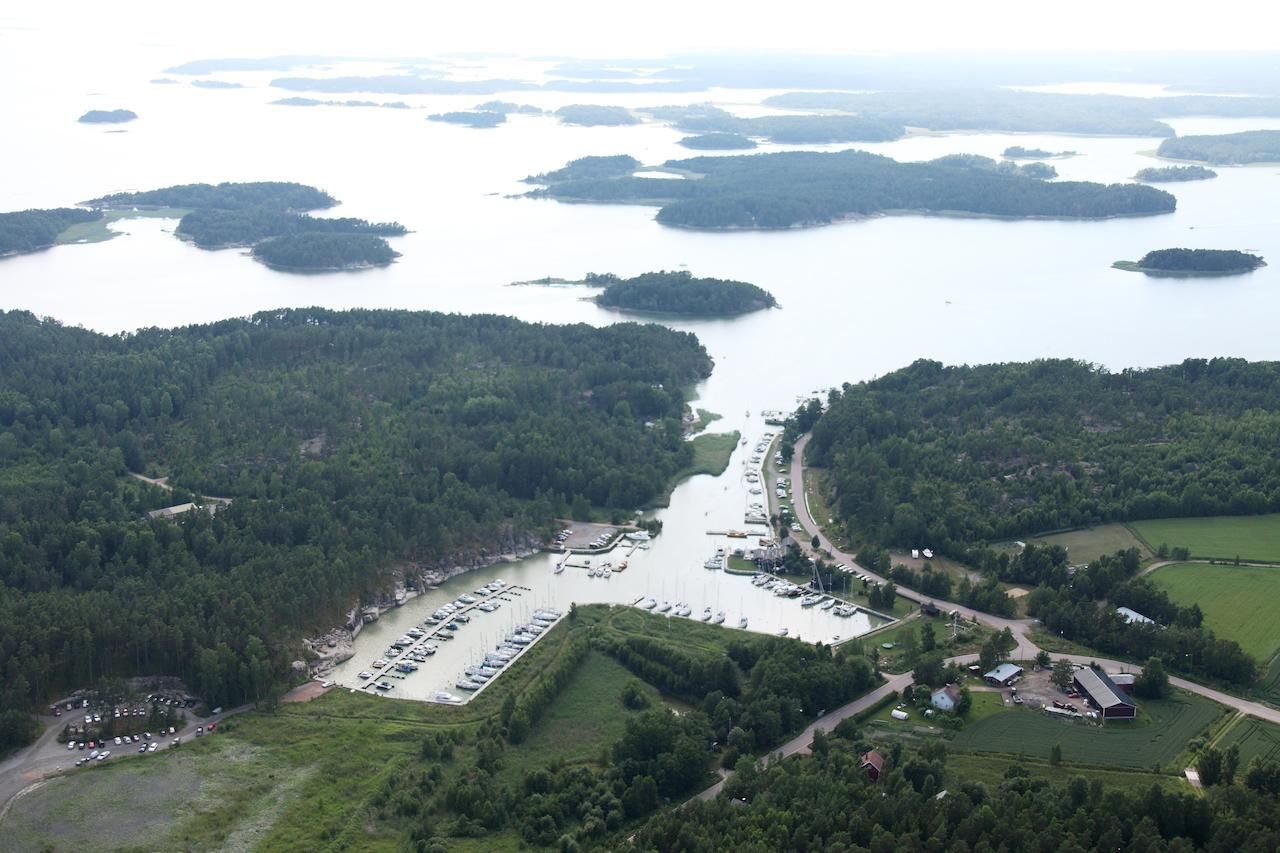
366	675
545	613
445	696
664	607
444	636
845	610
467	684
384	685
719	618
706	614
378	664
463	618
827	604
487	607
467	599
559	568
742	623
810	600
784	632
407	666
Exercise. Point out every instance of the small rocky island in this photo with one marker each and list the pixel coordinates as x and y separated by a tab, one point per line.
1017	152
679	293
107	116
1174	174
1193	262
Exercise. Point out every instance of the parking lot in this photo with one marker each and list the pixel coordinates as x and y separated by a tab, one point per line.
1037	691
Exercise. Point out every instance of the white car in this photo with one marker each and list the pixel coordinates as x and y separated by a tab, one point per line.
71	744
151	747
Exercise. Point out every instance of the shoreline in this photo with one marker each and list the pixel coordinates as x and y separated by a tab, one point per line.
1132	266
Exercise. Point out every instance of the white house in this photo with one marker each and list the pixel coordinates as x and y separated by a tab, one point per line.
945	698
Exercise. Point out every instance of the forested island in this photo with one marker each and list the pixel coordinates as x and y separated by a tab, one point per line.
1192	262
32	230
471	118
315	102
1000	109
802	188
107	116
1174	174
594	115
1017	152
793	130
1228	149
678	292
1040	171
441	434
324	252
507	108
718	142
246	214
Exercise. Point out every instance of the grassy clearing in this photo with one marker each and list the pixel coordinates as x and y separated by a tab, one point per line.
711	452
1240	603
990	770
1092	542
97	231
1249	537
1158	738
898	659
584	720
705	419
1254	738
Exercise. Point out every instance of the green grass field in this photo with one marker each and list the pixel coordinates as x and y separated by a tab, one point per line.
1092	542
990	769
1240	603
711	452
1249	537
97	231
895	659
1254	738
1158	737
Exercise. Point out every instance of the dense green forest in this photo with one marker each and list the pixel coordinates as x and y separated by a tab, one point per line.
1040	171
1174	174
586	168
1250	146
742	701
438	433
266	216
718	142
32	230
679	292
1002	109
1193	261
225	196
798	188
324	252
216	229
793	130
107	116
473	118
825	802
950	456
594	115
1017	152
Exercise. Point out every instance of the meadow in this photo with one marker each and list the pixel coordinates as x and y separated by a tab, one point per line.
1249	537
1240	603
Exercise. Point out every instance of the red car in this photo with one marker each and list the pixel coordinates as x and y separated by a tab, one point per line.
212	726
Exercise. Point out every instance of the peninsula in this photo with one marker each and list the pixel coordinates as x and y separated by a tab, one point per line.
1193	262
1228	149
1174	174
1017	152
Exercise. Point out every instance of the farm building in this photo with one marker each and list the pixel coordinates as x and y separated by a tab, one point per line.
1003	675
945	698
1124	680
872	764
1105	695
1133	617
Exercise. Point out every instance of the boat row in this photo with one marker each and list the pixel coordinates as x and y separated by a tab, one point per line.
476	676
682	609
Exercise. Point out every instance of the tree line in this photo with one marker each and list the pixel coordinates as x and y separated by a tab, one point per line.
32	230
437	434
946	457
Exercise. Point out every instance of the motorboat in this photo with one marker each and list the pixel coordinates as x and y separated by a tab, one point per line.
468	684
827	604
384	685
664	607
706	614
742	623
845	610
784	632
378	664
366	675
719	618
445	696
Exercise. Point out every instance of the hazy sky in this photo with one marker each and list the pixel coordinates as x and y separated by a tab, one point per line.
596	28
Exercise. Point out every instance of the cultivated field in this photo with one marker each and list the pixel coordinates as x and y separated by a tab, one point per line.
1157	738
1254	738
1092	542
1240	603
1249	537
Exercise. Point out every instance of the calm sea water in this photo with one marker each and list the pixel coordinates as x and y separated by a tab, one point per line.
859	298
